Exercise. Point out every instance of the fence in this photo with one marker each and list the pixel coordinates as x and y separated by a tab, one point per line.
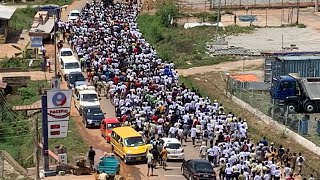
257	95
242	4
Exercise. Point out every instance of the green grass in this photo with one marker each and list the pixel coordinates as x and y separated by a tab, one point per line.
74	143
22	18
22	63
28	95
15	128
184	47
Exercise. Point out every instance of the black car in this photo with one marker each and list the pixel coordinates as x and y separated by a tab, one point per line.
74	77
92	116
196	169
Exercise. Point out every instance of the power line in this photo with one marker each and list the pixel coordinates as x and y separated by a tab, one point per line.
8	137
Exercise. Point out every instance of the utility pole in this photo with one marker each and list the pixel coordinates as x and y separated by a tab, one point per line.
298	9
218	20
55	43
36	147
316	6
282	12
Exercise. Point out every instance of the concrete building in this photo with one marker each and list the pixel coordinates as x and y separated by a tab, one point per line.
5	15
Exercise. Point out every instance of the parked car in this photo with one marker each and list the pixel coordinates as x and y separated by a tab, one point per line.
198	169
74	14
174	148
106	127
92	116
74	77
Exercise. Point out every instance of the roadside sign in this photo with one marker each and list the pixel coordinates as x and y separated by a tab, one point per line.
58	114
58	111
58	129
59	98
55	83
36	41
62	158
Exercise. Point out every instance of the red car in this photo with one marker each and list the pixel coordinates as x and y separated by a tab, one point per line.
106	127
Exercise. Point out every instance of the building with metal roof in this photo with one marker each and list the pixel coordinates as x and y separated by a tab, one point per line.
5	15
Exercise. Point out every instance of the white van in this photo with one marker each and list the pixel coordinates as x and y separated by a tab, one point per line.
69	64
174	148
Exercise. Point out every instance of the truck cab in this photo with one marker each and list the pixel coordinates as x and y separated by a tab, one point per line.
283	87
85	96
298	94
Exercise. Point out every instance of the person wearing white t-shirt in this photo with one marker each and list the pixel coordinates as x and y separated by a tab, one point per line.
228	172
193	135
277	173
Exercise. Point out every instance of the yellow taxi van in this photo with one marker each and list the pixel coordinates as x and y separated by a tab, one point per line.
128	144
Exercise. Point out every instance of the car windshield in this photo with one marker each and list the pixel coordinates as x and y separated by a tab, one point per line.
66	53
94	112
202	166
89	97
73	65
74	14
76	77
173	146
134	141
113	125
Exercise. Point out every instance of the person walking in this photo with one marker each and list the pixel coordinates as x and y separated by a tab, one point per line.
193	135
164	157
155	154
300	161
150	159
103	176
203	151
91	155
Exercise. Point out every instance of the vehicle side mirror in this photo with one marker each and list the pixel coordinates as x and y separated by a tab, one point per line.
62	67
99	99
104	113
77	99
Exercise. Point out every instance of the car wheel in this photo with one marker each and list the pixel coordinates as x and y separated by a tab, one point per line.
182	171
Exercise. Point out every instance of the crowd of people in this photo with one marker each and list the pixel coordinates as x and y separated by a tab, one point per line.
147	95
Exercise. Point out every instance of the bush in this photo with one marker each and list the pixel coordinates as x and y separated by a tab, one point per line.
167	11
22	18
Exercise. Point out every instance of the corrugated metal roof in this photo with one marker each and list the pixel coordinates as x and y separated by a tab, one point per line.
6	12
297	58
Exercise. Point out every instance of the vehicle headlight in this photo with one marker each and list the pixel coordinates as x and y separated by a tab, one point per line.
109	134
89	120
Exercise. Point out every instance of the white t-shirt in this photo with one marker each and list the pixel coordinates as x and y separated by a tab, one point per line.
193	132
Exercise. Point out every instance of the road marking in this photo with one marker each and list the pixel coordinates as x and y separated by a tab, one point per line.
173	167
168	175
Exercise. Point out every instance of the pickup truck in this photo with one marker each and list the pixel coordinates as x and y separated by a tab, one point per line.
85	96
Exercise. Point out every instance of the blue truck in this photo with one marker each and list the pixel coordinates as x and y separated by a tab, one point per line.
297	94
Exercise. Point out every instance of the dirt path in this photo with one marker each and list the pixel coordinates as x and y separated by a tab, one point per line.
227	66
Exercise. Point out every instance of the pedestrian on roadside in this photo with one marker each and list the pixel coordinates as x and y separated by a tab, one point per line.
293	161
150	159
300	160
91	155
103	176
155	154
164	157
311	177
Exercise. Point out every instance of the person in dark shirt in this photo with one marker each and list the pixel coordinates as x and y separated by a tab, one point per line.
91	155
155	154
